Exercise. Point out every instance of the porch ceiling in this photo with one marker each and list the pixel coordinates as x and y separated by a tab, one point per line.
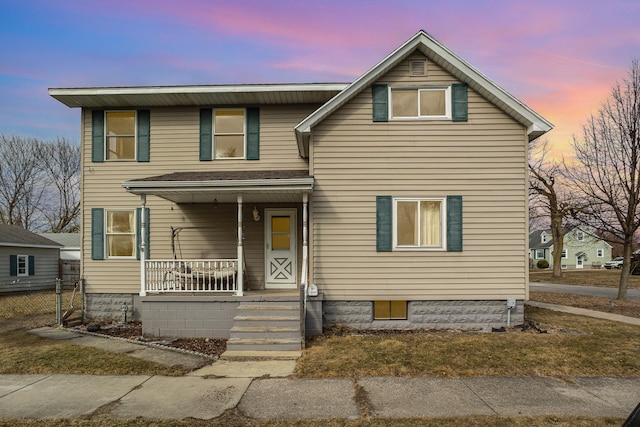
224	186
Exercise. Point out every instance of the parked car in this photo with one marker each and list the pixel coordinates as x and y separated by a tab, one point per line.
614	263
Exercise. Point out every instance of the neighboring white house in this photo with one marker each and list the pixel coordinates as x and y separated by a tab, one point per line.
581	248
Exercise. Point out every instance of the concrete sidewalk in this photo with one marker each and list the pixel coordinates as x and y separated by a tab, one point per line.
158	397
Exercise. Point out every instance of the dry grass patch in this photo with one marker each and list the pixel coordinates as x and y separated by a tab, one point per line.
624	308
573	346
25	353
599	277
479	421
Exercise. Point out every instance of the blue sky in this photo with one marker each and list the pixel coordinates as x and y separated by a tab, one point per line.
559	57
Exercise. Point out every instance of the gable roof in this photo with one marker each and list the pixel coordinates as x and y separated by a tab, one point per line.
535	242
536	125
12	235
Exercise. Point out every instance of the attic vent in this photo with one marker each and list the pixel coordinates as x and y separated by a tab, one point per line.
418	68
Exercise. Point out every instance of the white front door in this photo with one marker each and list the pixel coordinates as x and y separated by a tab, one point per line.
580	262
280	248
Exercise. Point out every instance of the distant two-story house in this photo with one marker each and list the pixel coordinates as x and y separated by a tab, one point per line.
580	248
372	204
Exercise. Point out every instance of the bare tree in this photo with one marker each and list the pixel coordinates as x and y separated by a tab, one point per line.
549	194
61	163
607	167
39	183
21	180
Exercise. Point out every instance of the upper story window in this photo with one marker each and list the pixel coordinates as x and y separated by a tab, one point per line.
229	133
580	236
565	254
121	233
432	102
543	238
600	253
120	127
419	223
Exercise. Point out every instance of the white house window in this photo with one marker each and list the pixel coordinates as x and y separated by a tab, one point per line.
580	236
565	254
421	103
539	253
543	238
23	265
121	233
600	253
120	135
229	133
419	223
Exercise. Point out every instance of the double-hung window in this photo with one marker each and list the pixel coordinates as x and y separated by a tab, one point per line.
120	127
229	133
565	254
419	223
120	232
600	253
23	265
432	102
539	253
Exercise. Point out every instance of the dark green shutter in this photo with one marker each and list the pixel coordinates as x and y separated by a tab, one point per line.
206	128
454	223
253	134
380	97
13	265
97	136
32	265
97	233
146	231
384	223
144	135
459	95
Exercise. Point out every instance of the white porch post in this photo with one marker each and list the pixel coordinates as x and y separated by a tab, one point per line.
143	232
305	243
240	251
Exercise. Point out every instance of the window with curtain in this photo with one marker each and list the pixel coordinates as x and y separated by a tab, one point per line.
121	233
419	223
229	134
120	135
427	102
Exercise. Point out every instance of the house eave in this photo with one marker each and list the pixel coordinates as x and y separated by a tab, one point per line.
204	95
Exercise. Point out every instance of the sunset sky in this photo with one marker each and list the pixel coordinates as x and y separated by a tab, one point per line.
559	57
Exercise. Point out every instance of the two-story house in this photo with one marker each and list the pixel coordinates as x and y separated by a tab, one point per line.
376	204
580	247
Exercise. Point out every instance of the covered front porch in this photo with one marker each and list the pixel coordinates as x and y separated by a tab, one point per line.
270	222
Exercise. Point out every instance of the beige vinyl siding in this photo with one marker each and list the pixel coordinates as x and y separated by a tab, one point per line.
175	147
483	160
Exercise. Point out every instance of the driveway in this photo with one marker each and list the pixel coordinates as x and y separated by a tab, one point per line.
596	291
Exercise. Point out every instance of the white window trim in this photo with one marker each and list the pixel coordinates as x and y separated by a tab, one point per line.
107	234
443	224
580	236
135	136
565	254
539	257
26	265
214	134
600	253
447	100
543	238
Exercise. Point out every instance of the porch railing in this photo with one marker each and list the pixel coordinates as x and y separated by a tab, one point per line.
198	275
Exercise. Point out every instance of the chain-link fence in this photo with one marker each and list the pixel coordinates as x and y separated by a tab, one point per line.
47	303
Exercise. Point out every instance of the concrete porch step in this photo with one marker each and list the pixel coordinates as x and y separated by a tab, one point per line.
268	310
265	332
264	344
260	355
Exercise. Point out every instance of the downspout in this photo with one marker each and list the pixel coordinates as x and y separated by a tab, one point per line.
240	255
143	232
305	262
